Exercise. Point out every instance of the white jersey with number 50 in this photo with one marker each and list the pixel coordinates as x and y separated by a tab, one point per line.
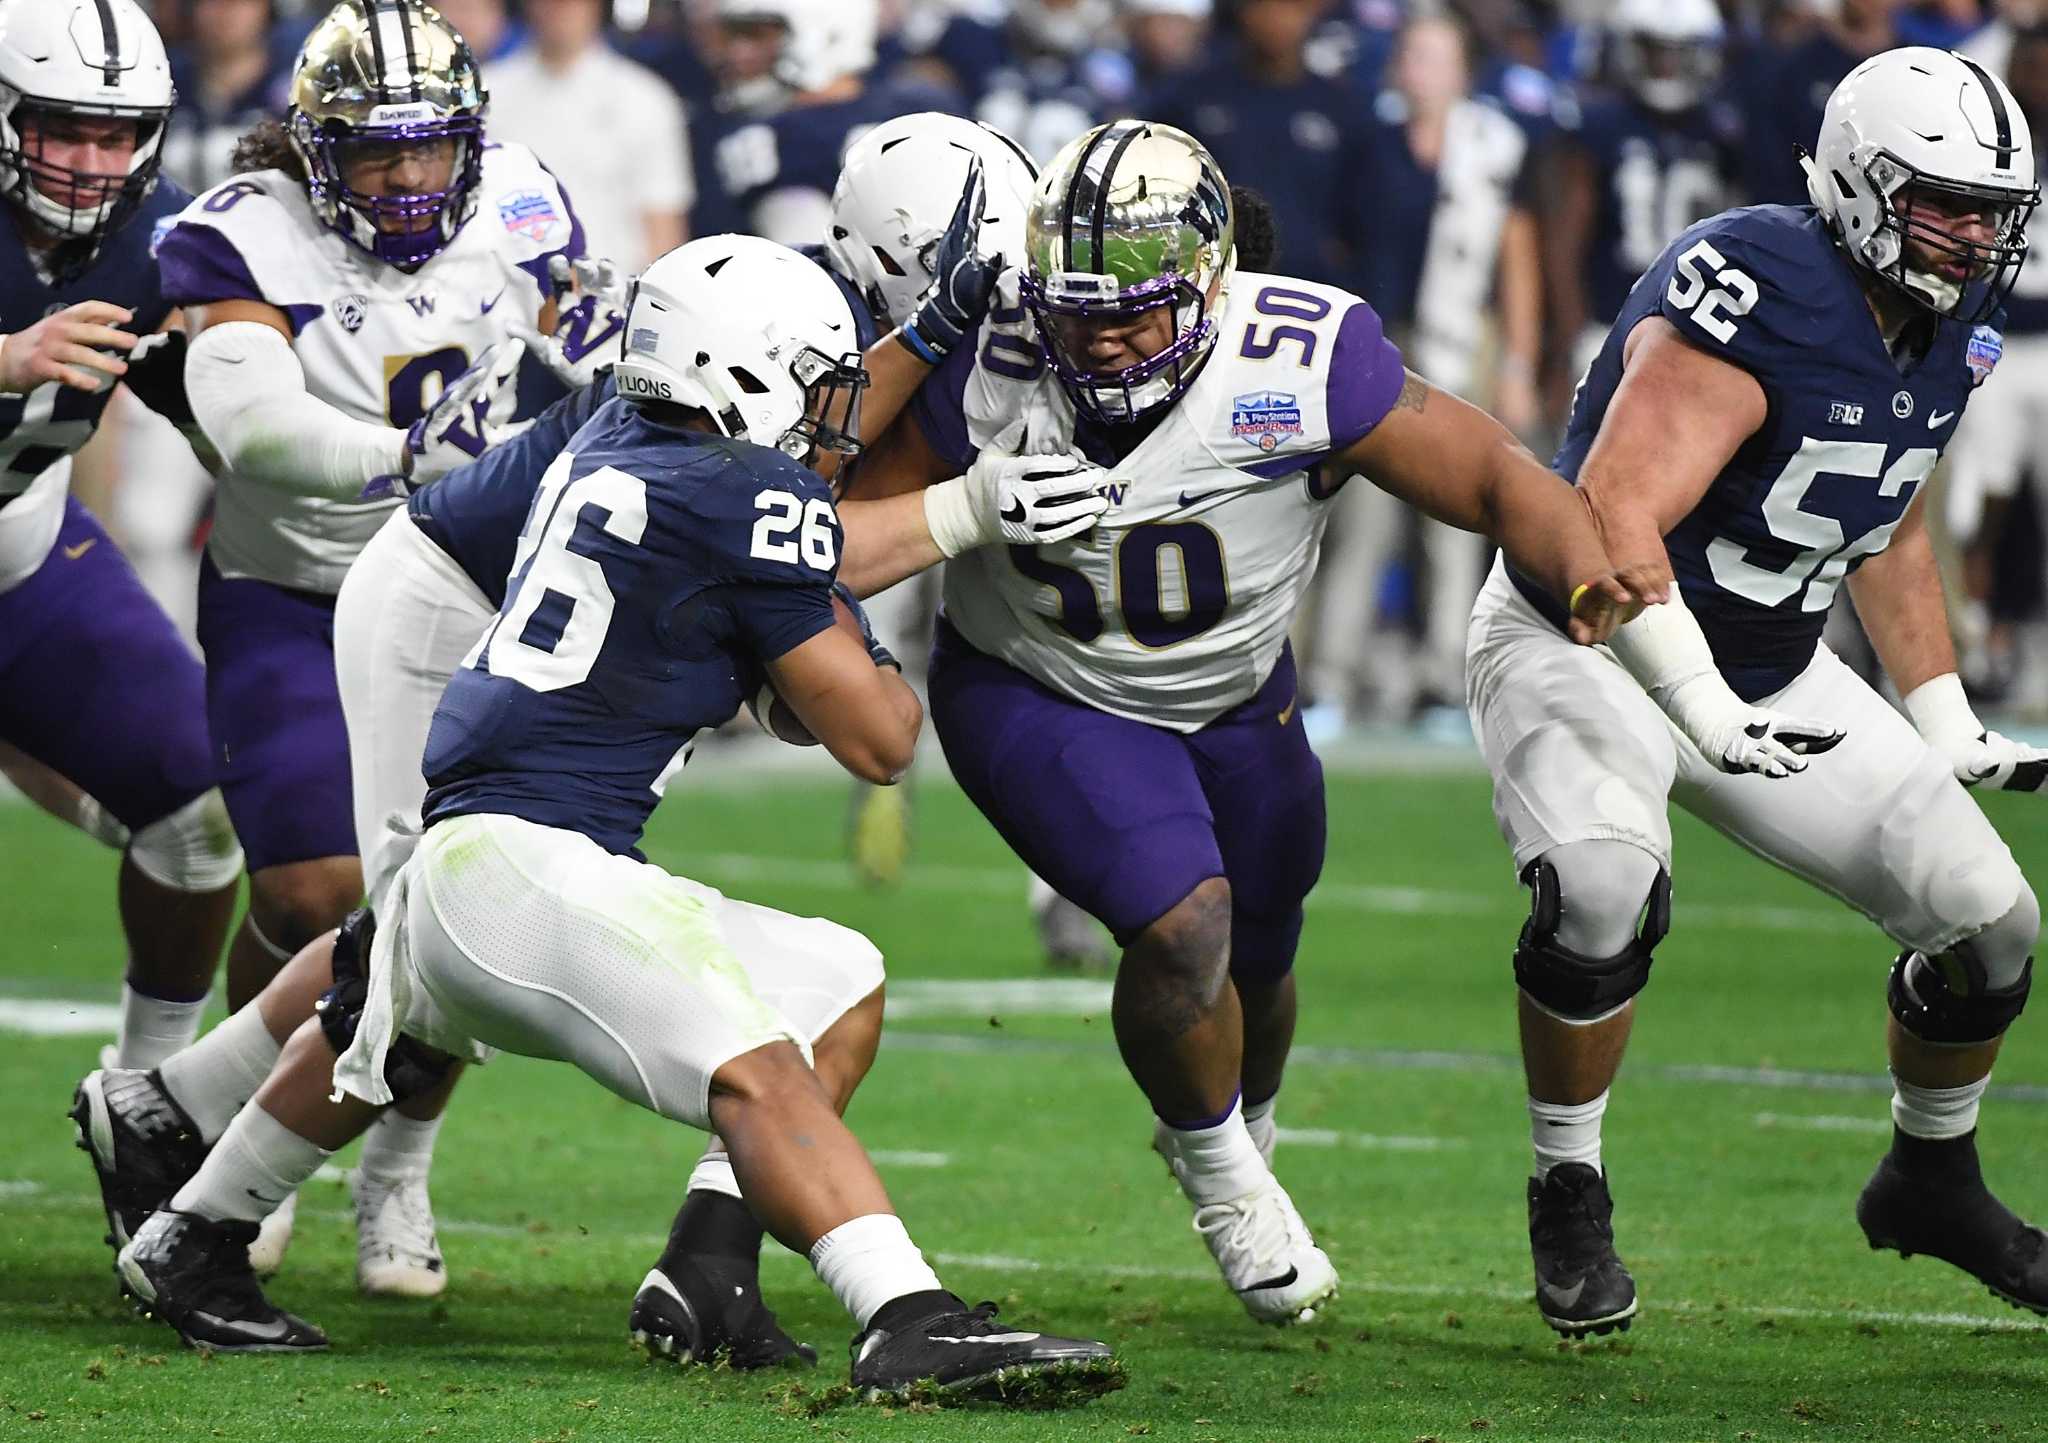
1176	606
376	343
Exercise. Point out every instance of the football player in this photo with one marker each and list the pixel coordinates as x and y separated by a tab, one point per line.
351	296
1121	705
96	686
673	559
1761	423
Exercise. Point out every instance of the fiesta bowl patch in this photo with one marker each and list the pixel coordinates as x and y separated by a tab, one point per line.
1261	418
531	214
1986	346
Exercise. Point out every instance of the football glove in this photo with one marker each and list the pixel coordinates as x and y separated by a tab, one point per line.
1978	756
1740	738
457	428
1032	500
591	298
156	375
966	279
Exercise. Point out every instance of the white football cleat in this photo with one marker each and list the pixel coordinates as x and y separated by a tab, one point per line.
266	1254
397	1254
1267	1256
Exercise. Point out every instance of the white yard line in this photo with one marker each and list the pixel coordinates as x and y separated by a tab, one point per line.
58	1017
1823	1122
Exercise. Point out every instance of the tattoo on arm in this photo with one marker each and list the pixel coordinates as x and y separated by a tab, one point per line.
1414	393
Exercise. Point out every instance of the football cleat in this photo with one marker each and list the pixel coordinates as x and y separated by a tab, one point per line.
1581	1285
1267	1256
878	832
1072	940
142	1145
965	1353
696	1316
194	1274
1951	1215
397	1254
273	1236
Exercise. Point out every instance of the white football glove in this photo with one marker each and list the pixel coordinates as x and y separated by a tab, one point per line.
1740	738
1978	756
457	428
1016	500
591	296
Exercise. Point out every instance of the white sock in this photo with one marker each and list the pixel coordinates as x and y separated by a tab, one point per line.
399	1148
1259	1122
1566	1132
713	1173
256	1165
1218	1163
213	1077
153	1028
1936	1113
868	1261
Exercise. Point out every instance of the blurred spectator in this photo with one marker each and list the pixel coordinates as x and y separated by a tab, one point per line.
1167	38
1991	45
796	89
609	128
1783	91
1431	231
1627	170
230	74
492	35
1061	69
1301	138
2003	437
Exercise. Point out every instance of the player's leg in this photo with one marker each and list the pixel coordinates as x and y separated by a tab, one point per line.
537	941
1112	814
96	685
826	980
61	797
1886	828
1582	762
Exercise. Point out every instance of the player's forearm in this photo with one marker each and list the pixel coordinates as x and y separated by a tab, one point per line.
894	374
887	540
1541	523
249	396
1899	601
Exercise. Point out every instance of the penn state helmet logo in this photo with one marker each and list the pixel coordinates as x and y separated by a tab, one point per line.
1902	404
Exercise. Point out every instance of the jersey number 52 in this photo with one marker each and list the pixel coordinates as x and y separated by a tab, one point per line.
1733	293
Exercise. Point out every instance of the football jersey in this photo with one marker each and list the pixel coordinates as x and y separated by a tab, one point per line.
657	572
41	428
1850	435
1175	607
377	343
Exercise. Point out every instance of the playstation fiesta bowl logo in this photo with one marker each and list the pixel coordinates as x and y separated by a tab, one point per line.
1261	418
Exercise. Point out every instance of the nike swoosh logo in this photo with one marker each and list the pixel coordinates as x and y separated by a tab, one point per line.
486	308
988	1338
1014	511
1287	712
1563	1297
1938	418
269	1202
1189	498
72	553
266	1332
1286	1279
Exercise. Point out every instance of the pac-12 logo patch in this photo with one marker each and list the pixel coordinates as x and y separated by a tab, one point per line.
351	311
1986	346
531	214
1263	417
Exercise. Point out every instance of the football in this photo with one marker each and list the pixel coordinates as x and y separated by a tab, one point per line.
777	717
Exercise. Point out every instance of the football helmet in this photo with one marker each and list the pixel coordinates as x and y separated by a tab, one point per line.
898	190
753	334
99	58
822	39
1666	52
1921	127
383	73
1130	216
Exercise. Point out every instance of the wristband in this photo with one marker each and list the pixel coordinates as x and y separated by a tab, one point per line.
917	345
950	516
1941	713
1578	591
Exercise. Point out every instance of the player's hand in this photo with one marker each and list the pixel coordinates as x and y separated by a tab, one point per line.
457	428
590	315
1608	602
1998	763
1744	739
70	347
156	377
966	279
1033	500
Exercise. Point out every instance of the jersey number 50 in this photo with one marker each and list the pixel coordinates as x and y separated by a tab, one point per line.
1153	618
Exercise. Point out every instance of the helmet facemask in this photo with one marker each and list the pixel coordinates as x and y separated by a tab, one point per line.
1668	74
1059	300
98	202
831	420
1912	208
405	231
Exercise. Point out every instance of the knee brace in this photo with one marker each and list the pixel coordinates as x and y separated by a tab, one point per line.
191	850
1948	999
1571	984
410	1066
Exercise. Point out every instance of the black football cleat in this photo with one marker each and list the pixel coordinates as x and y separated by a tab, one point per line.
194	1274
1929	1197
142	1145
962	1353
1581	1285
689	1312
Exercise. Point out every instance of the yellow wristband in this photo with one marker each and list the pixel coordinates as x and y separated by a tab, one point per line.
1578	591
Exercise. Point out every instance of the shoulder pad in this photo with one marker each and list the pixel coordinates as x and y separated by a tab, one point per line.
519	199
1749	284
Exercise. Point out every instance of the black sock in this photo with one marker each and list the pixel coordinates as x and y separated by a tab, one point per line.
914	1308
714	1224
1938	1159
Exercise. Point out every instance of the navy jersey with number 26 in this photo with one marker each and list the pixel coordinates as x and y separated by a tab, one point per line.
1850	437
658	570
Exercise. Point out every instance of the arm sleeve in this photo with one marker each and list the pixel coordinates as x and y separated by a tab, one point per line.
249	395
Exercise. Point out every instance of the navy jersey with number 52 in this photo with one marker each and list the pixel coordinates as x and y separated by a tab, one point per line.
658	571
1849	439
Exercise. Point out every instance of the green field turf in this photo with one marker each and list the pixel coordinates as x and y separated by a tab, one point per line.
1752	1110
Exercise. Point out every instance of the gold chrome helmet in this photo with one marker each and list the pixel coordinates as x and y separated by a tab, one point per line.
379	73
1128	217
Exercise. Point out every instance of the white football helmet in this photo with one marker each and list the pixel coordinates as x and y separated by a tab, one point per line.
1919	124
897	192
823	39
99	58
1666	52
753	334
